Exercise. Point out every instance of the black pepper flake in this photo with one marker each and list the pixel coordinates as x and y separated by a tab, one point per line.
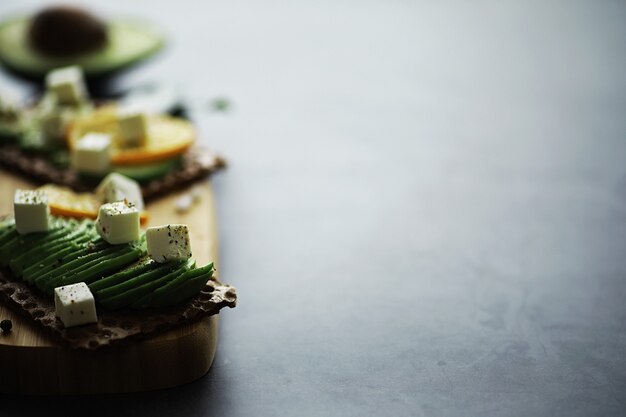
6	325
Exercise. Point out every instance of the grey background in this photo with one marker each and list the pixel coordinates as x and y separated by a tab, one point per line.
425	212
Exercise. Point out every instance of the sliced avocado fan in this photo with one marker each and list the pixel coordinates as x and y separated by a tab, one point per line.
128	43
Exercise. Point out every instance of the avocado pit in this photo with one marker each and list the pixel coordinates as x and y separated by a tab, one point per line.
62	31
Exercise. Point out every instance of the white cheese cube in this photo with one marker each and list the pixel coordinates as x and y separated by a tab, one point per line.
67	84
168	242
117	187
31	211
133	129
118	223
54	124
91	153
74	305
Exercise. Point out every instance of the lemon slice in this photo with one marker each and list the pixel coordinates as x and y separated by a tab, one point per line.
65	202
167	136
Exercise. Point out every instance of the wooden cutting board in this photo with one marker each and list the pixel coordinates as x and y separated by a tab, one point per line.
33	363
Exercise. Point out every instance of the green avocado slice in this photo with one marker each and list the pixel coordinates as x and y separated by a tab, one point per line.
128	43
147	172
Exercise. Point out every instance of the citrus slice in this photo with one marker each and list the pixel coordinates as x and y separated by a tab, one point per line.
65	202
167	136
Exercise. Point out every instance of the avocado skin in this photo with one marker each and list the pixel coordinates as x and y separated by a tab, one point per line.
45	249
7	234
93	245
176	290
119	275
97	269
184	291
54	277
139	267
92	267
142	285
141	278
66	254
17	243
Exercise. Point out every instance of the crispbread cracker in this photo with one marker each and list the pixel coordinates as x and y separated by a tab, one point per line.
197	164
114	327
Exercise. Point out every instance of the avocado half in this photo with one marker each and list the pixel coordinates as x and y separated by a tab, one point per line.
129	42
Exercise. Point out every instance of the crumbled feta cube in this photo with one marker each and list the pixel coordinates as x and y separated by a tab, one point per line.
74	305
168	242
118	222
67	84
91	153
31	211
117	187
133	129
54	124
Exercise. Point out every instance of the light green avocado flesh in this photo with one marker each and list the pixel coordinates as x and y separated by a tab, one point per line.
129	42
118	275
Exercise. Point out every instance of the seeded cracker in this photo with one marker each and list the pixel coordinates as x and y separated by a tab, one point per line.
197	164
114	327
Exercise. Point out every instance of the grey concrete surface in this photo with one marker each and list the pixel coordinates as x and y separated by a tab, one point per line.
425	211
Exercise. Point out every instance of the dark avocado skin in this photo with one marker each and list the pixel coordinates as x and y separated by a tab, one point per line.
181	288
118	275
141	266
76	230
142	285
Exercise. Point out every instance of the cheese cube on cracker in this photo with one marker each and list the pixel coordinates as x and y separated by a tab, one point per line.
91	153
169	242
118	222
54	124
67	84
117	187
133	129
74	305
31	211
